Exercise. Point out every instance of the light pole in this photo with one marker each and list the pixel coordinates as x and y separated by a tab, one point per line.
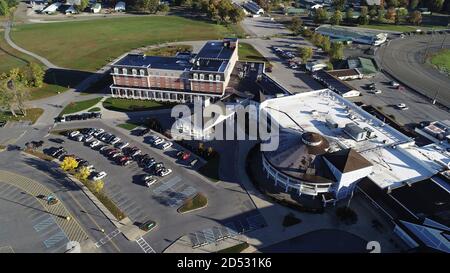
443	41
435	96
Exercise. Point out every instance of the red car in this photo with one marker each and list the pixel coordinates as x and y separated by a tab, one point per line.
183	155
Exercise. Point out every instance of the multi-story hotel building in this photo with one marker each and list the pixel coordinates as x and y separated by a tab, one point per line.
181	78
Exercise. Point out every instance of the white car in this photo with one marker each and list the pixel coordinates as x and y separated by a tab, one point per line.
115	140
158	141
104	148
402	106
95	143
98	132
74	133
149	180
123	145
394	84
79	137
166	145
378	91
165	172
88	138
99	176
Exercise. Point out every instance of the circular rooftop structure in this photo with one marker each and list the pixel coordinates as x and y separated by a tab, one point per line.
298	159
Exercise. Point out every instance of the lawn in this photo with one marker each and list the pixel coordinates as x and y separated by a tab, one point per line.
88	45
32	115
130	105
248	53
78	106
196	202
442	60
128	126
168	51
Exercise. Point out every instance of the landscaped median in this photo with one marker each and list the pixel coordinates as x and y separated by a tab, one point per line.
130	105
128	126
78	106
197	202
235	249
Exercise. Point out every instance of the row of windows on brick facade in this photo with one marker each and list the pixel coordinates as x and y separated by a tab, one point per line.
134	72
202	77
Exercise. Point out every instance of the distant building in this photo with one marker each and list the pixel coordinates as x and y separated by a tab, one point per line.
339	32
373	2
176	78
335	84
346	74
315	66
367	67
253	8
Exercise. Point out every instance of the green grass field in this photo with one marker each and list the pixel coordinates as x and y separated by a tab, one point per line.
128	126
8	57
32	115
130	105
196	202
88	45
78	106
248	53
442	60
168	51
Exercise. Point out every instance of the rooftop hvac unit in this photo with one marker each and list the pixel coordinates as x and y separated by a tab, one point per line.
314	113
355	132
331	123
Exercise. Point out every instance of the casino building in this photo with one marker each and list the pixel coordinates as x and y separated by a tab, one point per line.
182	78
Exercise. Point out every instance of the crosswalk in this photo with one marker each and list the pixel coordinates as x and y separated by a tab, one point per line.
107	238
145	246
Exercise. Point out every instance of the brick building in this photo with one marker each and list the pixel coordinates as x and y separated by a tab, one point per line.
181	78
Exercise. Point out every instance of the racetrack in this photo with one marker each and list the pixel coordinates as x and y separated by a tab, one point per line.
404	60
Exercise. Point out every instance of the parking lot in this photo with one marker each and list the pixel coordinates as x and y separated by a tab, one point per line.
26	226
419	109
160	201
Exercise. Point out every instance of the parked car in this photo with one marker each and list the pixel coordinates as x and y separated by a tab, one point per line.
148	225
98	132
74	133
122	145
378	91
57	140
79	137
88	138
94	143
183	155
166	145
402	106
394	84
149	180
99	176
159	141
163	172
115	140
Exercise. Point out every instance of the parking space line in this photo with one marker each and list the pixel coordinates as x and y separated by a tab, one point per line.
44	224
55	239
107	238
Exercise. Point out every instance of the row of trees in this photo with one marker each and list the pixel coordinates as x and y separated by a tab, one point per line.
146	6
6	5
15	86
375	14
69	164
221	11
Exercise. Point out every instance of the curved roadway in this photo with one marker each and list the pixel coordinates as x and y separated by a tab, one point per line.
403	59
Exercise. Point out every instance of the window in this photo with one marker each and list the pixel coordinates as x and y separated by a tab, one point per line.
124	71
202	77
217	77
195	76
211	77
116	70
134	71
142	72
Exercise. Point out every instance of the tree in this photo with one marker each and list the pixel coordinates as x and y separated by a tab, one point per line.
415	17
336	51
436	5
373	11
326	43
82	6
320	16
362	19
146	6
97	185
403	3
390	14
339	4
37	75
83	174
224	8
7	96
349	15
69	163
264	4
336	18
12	3
21	95
392	3
236	15
413	4
381	13
4	8
305	53
163	8
296	25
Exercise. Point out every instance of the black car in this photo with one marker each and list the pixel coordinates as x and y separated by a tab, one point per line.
2	123
57	140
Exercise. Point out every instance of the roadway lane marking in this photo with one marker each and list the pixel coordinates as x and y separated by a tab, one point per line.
145	246
107	238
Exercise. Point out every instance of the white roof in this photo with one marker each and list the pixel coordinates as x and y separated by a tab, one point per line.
389	151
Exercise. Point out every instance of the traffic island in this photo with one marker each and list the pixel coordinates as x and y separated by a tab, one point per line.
197	202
